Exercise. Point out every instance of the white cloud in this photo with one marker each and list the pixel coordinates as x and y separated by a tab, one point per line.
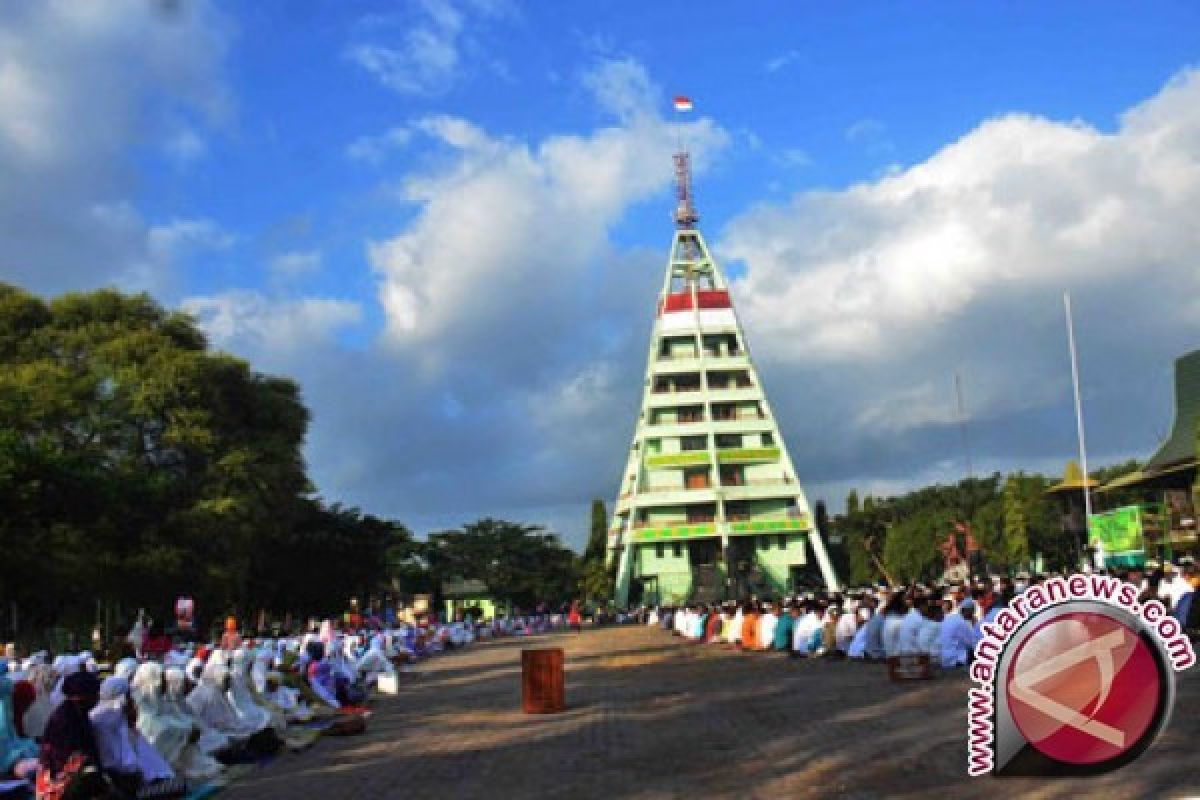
244	320
425	61
795	158
173	238
862	304
782	60
1018	204
296	263
510	230
373	149
122	68
622	88
871	135
185	146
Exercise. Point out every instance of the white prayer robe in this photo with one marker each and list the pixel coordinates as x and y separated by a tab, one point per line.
167	733
766	630
208	702
121	748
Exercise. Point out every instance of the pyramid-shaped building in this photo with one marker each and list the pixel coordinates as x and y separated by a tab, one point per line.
709	505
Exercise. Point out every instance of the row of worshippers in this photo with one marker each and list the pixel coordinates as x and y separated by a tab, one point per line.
154	727
873	623
863	624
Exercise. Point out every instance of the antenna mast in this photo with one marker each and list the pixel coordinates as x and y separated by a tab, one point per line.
685	211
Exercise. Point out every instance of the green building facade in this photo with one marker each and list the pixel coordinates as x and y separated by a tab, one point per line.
709	504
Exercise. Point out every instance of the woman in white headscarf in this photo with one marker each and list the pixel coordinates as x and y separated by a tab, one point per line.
124	753
271	695
125	669
209	703
63	666
242	699
43	679
175	737
211	740
374	661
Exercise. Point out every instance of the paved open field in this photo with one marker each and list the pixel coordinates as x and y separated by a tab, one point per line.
653	717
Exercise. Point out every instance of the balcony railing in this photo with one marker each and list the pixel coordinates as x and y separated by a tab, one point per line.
688	421
674	389
735	417
764	482
743	454
661	489
686	458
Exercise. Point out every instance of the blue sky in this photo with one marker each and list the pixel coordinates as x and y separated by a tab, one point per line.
448	219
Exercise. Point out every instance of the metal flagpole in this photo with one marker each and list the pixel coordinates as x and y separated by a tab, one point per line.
1087	494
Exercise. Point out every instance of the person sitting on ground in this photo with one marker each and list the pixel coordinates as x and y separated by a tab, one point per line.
910	627
807	627
750	626
893	621
847	626
876	648
128	760
712	628
699	621
175	738
929	631
957	636
209	703
767	623
15	749
782	640
829	646
863	616
68	759
210	742
243	701
735	625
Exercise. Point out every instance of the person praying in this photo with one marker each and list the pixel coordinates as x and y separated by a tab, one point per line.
68	758
126	757
14	748
766	627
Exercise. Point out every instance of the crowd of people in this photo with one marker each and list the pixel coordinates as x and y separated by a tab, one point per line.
174	718
941	622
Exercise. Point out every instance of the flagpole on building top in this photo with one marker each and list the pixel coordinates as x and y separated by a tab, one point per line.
1087	494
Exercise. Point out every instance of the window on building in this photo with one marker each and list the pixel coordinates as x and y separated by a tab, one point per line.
726	440
677	550
692	443
768	440
658	550
781	541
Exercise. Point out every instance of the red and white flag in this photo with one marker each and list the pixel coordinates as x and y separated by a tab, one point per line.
683	104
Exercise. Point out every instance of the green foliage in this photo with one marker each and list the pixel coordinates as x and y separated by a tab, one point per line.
135	465
522	564
598	535
597	581
1012	520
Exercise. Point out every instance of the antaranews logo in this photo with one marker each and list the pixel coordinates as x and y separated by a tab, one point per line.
1075	677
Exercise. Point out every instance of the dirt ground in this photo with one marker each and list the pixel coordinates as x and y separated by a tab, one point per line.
652	717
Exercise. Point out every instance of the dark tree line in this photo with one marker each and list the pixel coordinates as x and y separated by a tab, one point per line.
1012	517
137	464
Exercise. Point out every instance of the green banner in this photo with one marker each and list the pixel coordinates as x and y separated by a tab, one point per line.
1119	531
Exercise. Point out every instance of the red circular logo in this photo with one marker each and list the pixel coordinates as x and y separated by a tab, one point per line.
1084	688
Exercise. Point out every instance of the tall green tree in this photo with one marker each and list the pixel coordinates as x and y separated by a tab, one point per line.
523	564
136	464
